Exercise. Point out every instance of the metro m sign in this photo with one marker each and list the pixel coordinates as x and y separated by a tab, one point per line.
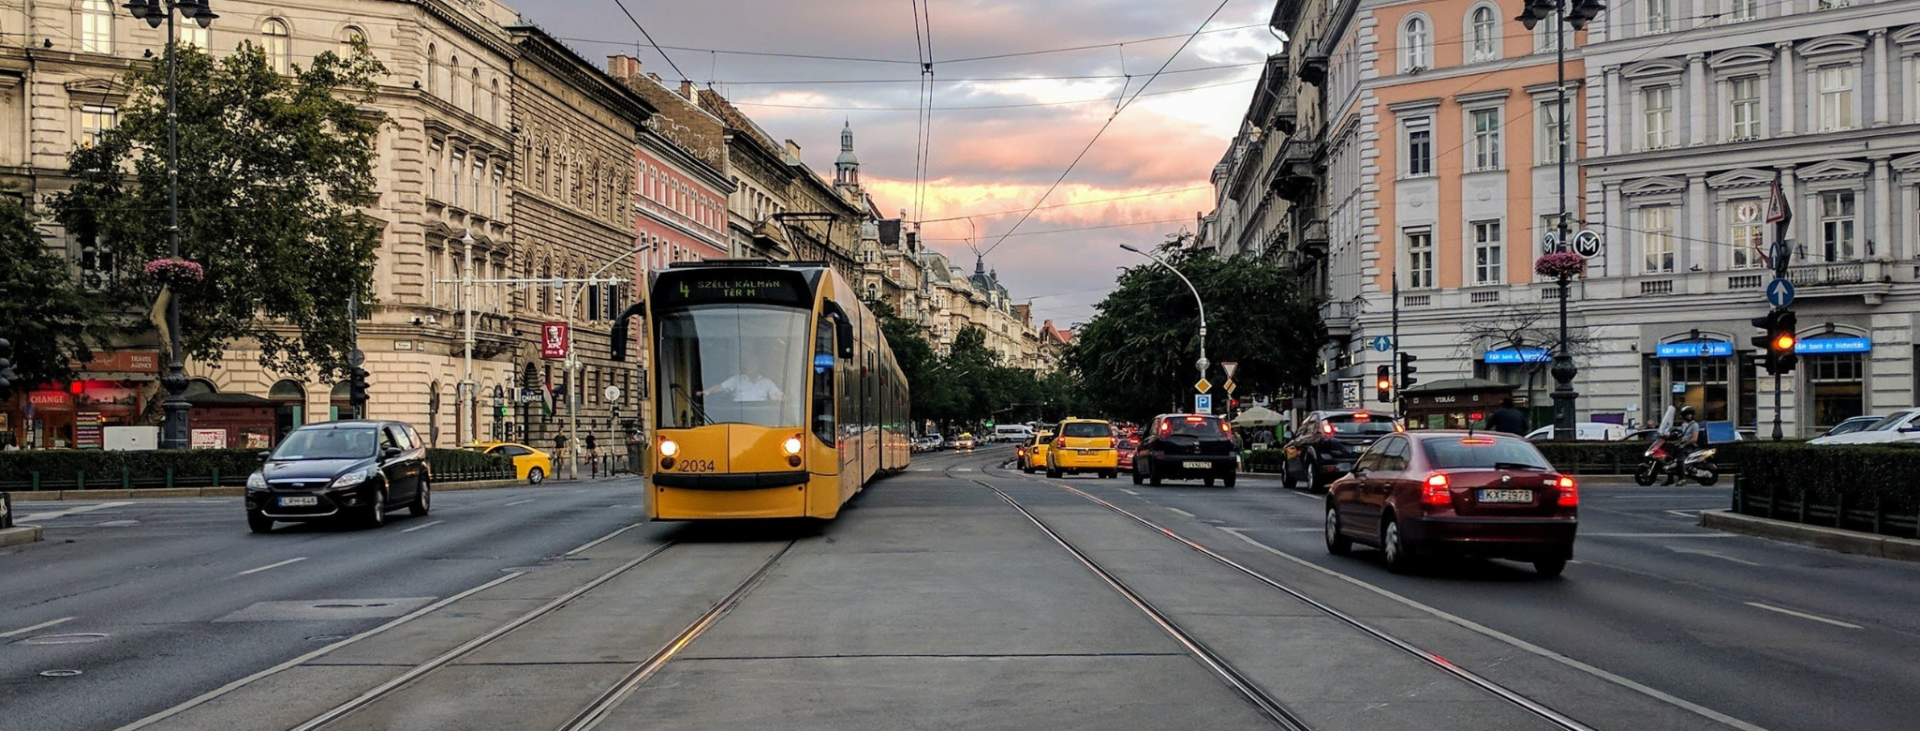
554	340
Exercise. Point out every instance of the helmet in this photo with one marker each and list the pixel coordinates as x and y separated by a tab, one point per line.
1686	412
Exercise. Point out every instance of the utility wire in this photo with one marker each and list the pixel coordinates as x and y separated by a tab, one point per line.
649	37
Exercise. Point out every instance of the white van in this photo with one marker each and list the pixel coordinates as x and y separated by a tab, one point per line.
1012	433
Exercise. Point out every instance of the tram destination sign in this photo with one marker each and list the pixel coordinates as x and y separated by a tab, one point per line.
706	287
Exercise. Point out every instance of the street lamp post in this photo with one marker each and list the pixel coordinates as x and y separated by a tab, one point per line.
1563	13
468	397
173	431
573	364
1202	362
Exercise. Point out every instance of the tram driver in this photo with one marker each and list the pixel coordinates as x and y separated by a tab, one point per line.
749	386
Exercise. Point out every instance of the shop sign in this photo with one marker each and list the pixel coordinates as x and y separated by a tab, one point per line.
121	399
257	439
553	340
1818	346
87	432
1696	349
58	400
119	361
208	439
1517	355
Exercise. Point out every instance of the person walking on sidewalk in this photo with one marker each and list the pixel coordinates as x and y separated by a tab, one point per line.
593	456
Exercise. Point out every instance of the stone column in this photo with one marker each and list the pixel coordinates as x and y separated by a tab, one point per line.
1881	189
1882	75
1789	109
1613	115
1618	240
1696	215
1698	98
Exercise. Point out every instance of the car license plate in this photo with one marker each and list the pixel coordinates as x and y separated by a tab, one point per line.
1506	496
298	502
1196	465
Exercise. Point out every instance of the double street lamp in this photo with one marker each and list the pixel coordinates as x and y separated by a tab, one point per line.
1202	362
173	431
1564	13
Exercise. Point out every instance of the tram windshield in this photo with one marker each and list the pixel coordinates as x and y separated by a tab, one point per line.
733	364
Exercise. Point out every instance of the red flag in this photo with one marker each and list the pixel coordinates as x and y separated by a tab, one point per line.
1777	209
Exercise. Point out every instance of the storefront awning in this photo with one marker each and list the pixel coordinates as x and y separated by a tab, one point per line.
1833	345
1695	349
1517	355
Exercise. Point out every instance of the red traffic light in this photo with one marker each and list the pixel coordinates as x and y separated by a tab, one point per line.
1385	384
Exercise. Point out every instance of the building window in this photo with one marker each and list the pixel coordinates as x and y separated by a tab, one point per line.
494	99
1486	34
1659	15
1748	233
1416	45
351	41
479	176
434	153
1488	255
1837	225
1486	138
278	45
433	70
1552	147
95	120
191	34
96	26
499	181
1739	11
1420	259
1839	388
1656	239
459	161
1546	37
1743	96
1836	98
1656	117
1419	146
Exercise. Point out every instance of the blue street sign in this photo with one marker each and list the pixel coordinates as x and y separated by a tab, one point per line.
1382	343
1203	403
1780	293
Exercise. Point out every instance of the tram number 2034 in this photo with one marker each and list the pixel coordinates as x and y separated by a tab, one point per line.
695	465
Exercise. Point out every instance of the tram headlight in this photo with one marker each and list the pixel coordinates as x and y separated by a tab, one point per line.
792	445
669	448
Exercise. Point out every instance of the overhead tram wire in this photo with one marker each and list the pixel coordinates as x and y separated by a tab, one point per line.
649	37
1024	105
893	61
926	128
1105	126
920	100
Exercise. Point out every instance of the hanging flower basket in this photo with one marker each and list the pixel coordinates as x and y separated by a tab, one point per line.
1560	265
174	271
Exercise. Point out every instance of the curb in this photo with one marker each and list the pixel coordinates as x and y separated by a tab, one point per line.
1832	539
162	492
19	535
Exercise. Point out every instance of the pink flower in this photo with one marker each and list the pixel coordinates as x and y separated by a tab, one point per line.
1560	264
174	270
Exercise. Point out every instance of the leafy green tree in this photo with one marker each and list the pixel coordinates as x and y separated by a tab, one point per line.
43	311
273	172
1135	356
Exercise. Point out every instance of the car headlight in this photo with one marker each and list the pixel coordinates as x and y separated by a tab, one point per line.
351	479
256	481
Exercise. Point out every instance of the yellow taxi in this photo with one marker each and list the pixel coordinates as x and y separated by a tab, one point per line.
1033	454
1084	445
529	464
964	444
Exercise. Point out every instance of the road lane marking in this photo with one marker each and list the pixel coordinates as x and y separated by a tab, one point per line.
600	540
1584	534
271	566
1302	494
423	525
1804	615
69	511
204	698
963	469
1686	513
1177	511
1129	492
1712	554
516	502
1510	639
42	625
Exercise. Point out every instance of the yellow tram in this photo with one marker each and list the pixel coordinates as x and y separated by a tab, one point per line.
775	394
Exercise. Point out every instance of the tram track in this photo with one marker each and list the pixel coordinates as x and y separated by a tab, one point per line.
1498	690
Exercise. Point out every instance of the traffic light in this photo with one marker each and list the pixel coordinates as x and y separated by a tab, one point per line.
1407	370
6	368
1383	384
357	391
1781	335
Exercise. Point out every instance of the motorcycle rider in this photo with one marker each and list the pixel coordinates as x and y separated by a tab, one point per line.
1684	439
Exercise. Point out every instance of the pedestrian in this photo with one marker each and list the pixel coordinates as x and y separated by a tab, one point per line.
593	456
560	444
1508	419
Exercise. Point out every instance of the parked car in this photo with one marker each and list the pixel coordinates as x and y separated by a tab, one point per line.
964	442
1853	424
1586	431
1125	451
1033	456
529	464
1186	447
1327	443
1084	445
1432	493
1900	426
355	469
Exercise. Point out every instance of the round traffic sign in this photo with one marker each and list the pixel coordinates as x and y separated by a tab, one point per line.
356	358
1587	243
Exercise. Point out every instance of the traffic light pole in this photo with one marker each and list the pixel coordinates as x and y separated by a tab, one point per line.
1778	434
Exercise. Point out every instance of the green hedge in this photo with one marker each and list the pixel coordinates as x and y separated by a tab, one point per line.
1623	458
66	469
1866	487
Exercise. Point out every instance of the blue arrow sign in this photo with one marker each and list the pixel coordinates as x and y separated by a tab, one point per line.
1780	293
1382	343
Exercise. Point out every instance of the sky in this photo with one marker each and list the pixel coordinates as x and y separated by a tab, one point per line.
1003	129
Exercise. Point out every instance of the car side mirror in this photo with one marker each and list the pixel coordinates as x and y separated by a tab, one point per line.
389	452
264	456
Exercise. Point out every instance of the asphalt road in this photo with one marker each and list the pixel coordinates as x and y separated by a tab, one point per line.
932	602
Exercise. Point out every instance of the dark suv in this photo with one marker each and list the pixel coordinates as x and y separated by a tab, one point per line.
1326	444
1186	447
356	469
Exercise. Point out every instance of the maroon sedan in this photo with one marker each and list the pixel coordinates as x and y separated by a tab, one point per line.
1128	444
1457	493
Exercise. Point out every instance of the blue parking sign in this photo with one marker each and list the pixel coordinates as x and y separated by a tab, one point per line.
1203	403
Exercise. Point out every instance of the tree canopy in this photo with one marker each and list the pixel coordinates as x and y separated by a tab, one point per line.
969	384
43	311
273	173
1136	355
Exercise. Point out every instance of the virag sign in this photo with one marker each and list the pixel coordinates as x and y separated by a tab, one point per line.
554	340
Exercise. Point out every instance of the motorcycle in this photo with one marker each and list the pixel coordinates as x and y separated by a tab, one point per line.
1697	466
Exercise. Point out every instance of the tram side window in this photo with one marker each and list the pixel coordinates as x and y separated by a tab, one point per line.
823	371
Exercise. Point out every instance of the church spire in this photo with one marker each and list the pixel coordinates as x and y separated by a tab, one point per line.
846	168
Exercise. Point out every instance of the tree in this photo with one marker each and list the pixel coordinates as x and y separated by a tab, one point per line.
272	173
1136	355
43	311
1519	327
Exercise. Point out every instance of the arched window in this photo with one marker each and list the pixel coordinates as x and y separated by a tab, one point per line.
199	387
475	89
339	406
278	44
352	41
453	79
495	101
1416	45
96	26
1485	28
289	407
433	69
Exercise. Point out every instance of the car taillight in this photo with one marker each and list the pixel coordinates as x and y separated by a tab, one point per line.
1569	493
1326	427
1166	427
1060	443
1399	428
1111	442
1435	490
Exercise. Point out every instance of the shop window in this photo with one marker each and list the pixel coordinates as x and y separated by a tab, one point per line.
338	405
289	407
1838	387
1701	383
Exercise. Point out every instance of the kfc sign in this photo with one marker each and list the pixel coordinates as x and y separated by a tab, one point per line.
554	340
